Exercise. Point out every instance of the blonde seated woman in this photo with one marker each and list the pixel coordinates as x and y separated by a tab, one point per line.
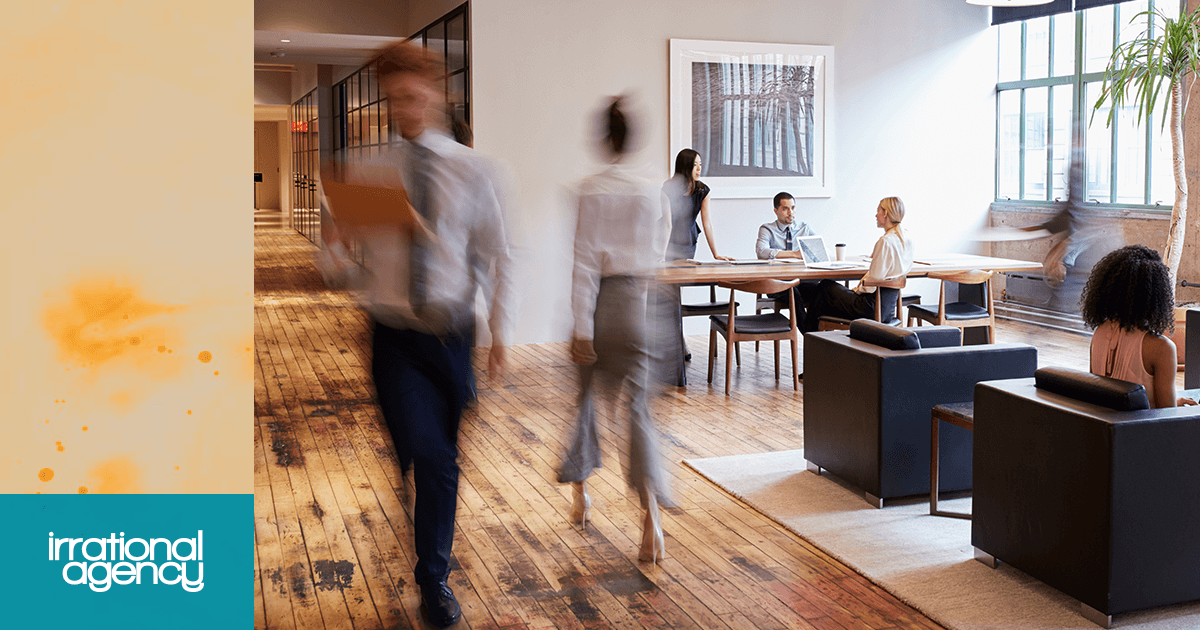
892	258
1128	300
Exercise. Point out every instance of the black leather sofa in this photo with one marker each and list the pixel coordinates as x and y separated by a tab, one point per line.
1098	499
868	393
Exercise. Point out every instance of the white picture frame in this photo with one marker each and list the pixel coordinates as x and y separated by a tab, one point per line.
760	115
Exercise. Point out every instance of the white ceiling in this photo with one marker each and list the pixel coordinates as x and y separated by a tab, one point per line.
323	48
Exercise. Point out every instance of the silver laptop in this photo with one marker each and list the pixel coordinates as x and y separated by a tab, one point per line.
812	249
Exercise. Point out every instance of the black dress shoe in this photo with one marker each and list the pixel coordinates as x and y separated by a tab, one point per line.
441	609
687	357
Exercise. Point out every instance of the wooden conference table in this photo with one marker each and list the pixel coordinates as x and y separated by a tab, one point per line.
731	272
688	274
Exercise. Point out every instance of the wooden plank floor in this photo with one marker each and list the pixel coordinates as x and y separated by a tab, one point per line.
333	528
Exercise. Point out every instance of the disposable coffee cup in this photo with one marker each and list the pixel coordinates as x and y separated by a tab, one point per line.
839	251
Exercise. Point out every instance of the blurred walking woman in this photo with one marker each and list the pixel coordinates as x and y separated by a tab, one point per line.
892	258
618	244
689	199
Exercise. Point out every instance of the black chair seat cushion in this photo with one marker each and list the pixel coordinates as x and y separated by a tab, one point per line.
1099	390
706	308
766	323
954	311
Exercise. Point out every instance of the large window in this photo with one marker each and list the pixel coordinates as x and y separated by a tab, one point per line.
1050	74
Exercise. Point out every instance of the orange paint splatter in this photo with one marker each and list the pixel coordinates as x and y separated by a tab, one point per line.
47	420
83	490
169	351
91	322
85	427
45	474
189	412
117	476
60	446
176	468
205	356
217	373
162	348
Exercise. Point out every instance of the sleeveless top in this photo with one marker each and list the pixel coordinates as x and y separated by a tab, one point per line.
1118	353
684	210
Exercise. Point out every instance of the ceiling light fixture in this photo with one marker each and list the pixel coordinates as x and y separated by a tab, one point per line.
1008	3
286	41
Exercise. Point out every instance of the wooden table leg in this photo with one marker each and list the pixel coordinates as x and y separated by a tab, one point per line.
934	457
933	465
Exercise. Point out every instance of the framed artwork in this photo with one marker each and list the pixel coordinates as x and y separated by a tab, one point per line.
759	115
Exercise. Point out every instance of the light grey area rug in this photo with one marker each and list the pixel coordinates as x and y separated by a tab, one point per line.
924	560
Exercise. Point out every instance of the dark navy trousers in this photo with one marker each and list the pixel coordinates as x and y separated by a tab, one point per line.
423	383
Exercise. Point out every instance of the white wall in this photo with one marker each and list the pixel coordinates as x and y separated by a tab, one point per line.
913	92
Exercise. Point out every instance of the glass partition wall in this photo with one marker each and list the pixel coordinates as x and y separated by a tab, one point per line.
306	212
360	124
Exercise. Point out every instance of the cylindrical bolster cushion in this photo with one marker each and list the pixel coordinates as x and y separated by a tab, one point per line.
1099	390
938	336
890	337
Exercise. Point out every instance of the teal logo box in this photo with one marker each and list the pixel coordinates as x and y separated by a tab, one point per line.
75	561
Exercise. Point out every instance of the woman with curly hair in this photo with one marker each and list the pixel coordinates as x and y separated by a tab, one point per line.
1128	301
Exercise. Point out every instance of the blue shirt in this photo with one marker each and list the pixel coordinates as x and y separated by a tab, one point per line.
772	238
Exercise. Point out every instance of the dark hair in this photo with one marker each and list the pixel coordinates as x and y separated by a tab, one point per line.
617	132
1132	287
684	163
462	131
403	58
781	196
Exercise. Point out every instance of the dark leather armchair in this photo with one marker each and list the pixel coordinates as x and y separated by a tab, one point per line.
1081	486
868	393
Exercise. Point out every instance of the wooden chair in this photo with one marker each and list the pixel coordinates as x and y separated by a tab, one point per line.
889	291
959	314
712	307
764	327
762	303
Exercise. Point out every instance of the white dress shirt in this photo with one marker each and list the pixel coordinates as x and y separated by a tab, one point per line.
624	223
892	258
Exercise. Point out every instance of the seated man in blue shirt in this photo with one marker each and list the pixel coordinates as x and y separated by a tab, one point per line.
780	239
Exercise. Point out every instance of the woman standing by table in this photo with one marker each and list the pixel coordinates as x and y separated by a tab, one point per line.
892	258
689	199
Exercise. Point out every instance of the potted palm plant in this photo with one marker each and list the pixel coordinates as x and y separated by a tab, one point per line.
1164	55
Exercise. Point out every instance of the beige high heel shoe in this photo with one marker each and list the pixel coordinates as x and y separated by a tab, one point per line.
581	509
654	548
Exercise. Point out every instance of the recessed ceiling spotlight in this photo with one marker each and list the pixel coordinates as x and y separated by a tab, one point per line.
286	41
